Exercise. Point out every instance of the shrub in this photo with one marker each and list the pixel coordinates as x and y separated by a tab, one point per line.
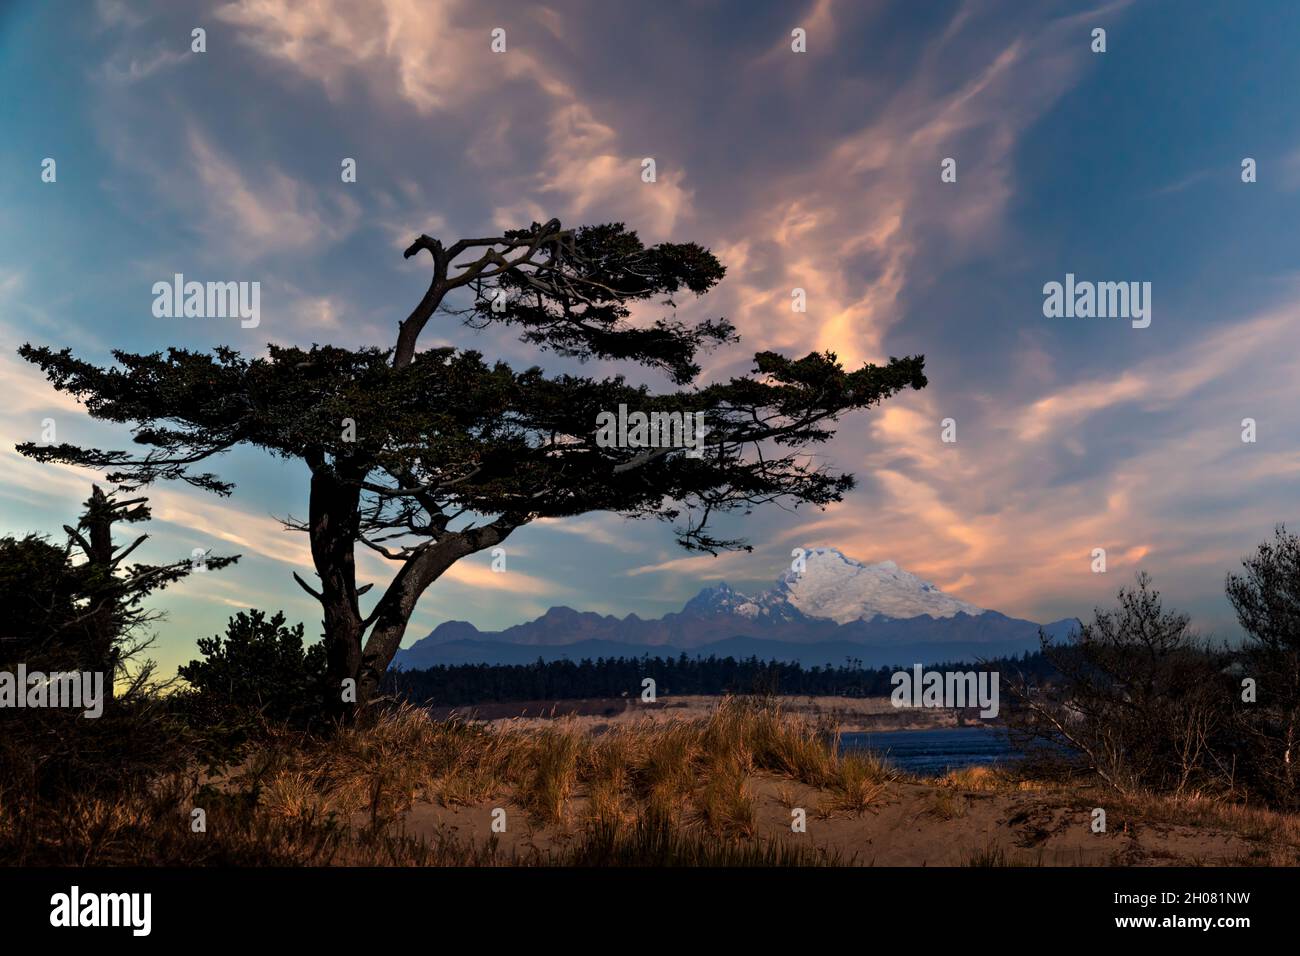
259	671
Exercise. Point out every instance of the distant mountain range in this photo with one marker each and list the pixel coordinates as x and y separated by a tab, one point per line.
832	609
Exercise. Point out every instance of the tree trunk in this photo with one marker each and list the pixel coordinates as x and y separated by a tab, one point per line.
101	654
398	603
396	606
333	524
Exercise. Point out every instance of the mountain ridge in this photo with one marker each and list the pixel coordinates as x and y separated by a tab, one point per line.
826	603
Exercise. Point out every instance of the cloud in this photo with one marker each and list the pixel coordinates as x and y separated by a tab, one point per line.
412	47
480	576
866	218
700	567
607	530
1162	381
1010	513
423	56
818	24
585	169
116	13
129	68
272	212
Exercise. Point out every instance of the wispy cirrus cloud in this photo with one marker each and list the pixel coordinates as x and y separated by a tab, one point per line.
426	57
263	211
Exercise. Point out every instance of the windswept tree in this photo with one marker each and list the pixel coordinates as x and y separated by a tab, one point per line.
427	456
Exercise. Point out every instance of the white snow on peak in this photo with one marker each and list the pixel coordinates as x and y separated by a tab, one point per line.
837	587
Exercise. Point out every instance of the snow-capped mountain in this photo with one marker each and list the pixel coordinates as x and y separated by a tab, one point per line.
829	585
823	609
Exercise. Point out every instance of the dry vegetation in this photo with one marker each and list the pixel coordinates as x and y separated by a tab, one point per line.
401	788
652	792
695	779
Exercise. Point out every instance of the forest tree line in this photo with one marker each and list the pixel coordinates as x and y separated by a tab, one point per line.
453	685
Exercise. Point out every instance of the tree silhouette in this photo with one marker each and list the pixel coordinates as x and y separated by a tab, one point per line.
1266	597
40	587
258	666
429	456
81	606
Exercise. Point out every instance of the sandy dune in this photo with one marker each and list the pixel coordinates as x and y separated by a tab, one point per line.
921	824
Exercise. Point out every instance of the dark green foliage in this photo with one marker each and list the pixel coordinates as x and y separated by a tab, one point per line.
611	677
258	668
587	284
82	606
47	752
450	417
40	591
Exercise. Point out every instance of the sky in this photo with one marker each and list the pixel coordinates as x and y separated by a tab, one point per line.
818	170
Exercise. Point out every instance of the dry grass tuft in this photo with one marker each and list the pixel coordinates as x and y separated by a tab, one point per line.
987	780
946	805
856	784
724	803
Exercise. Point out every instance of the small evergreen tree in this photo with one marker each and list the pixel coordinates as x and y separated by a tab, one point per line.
259	667
114	591
82	606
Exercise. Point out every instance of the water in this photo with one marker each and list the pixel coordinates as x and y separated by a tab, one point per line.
932	753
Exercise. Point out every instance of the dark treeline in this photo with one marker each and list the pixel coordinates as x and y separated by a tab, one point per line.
452	685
